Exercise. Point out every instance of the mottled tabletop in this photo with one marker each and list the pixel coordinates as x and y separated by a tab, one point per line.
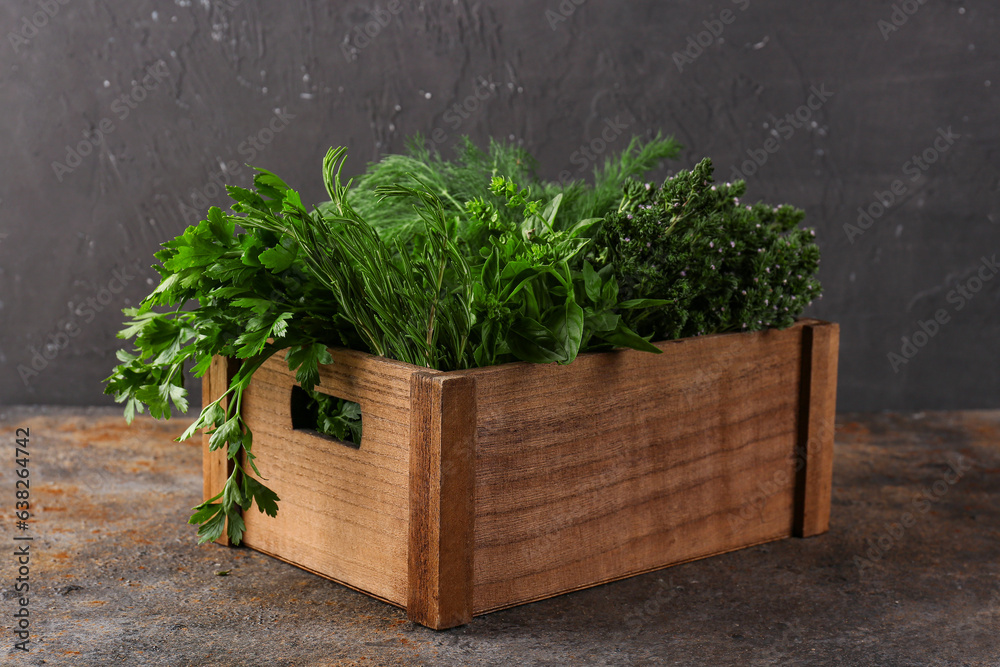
909	573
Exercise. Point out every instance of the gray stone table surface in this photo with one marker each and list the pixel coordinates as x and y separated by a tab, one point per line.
117	577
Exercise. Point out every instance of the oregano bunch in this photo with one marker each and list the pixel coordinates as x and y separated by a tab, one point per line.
718	263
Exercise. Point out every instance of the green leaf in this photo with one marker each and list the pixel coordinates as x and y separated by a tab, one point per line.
131	407
491	271
222	227
204	512
281	257
197	256
530	340
231	493
266	499
280	325
209	416
581	228
139	321
551	210
604	321
227	433
211	529
625	337
235	443
292	202
269	185
644	303
246	197
235	526
591	282
256	304
568	329
306	358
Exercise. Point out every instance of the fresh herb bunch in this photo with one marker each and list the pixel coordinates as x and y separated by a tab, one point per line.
448	265
335	417
531	303
718	264
410	306
248	289
440	264
455	182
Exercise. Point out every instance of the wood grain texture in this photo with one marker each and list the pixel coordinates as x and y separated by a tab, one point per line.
820	347
343	512
216	467
625	462
442	503
482	489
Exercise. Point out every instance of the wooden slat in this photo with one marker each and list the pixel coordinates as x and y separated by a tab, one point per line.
481	489
216	467
442	504
820	346
343	512
625	462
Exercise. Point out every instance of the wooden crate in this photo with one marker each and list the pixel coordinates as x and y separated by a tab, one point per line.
477	490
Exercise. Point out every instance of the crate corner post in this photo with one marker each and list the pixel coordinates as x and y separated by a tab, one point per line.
820	349
441	498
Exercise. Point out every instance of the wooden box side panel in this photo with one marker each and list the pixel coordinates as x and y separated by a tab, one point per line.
626	462
343	512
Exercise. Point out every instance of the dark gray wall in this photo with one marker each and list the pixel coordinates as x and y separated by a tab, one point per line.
217	72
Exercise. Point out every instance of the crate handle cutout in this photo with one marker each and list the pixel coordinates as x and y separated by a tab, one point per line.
326	416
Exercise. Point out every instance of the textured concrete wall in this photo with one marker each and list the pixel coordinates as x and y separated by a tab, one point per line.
171	97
